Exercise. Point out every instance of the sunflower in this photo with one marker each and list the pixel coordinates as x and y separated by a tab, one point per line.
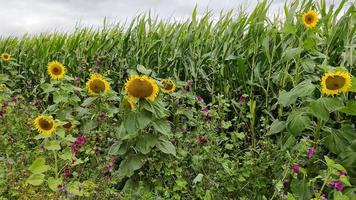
130	103
168	86
68	126
97	84
45	125
5	57
141	87
56	70
333	83
310	19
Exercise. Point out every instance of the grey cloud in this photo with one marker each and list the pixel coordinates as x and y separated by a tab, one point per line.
18	17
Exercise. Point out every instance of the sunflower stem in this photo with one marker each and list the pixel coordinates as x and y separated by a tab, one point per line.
55	164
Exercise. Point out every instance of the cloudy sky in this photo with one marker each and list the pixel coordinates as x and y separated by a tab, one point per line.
18	17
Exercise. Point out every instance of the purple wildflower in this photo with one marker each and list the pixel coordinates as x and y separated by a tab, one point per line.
5	104
190	85
2	113
199	98
342	173
206	110
242	98
78	143
67	172
101	117
14	99
310	152
336	185
296	168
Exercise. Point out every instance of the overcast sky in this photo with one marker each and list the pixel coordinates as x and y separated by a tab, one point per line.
18	17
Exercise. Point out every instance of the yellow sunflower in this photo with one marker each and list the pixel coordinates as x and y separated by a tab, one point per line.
56	70
5	57
130	103
138	87
97	84
310	19
45	125
168	86
68	126
334	83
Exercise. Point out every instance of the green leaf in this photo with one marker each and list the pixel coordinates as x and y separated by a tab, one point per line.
337	140
318	109
145	142
130	123
303	89
162	126
340	196
297	122
38	166
353	84
143	70
143	119
66	155
130	164
52	145
88	101
198	178
53	183
350	108
332	104
114	149
345	180
36	179
166	147
276	127
301	189
90	125
291	53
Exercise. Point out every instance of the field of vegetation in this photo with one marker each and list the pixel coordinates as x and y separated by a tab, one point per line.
242	107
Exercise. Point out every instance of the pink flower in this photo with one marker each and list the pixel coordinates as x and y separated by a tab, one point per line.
242	99
342	173
311	151
199	98
206	110
296	168
336	185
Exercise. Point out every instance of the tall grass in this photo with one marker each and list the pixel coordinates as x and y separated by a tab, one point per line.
237	54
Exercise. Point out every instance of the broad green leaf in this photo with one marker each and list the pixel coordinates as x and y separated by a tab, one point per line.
276	127
291	53
166	147
162	126
114	149
143	119
318	109
130	164
338	139
90	125
303	89
340	196
130	123
52	145
38	166
53	183
297	122
332	104
36	179
88	101
301	189
145	142
350	108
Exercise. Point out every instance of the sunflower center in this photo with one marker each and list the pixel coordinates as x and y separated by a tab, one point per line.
309	19
45	124
68	125
168	86
6	56
335	82
97	86
56	70
140	88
